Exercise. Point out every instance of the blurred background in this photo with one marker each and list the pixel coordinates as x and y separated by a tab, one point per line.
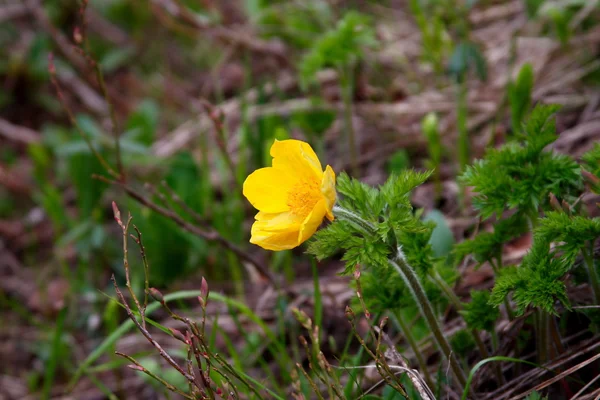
196	91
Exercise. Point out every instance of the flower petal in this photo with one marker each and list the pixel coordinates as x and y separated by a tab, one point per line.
276	231
296	158
267	190
275	241
312	222
328	190
277	222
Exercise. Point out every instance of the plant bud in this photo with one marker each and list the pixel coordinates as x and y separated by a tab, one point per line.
156	295
554	202
430	126
349	313
51	66
590	178
303	341
302	318
357	272
178	335
77	36
117	214
204	288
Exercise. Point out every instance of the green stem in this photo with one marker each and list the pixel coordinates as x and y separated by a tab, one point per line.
412	282
592	273
415	347
555	334
365	226
347	89
459	306
509	311
495	341
461	122
542	335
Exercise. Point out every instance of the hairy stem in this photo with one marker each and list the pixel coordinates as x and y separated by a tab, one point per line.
412	281
442	284
354	219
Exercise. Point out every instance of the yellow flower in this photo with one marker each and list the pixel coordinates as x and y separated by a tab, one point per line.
292	196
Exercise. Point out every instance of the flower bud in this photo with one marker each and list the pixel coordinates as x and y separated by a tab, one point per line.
156	295
349	313
178	335
554	202
77	36
204	288
302	318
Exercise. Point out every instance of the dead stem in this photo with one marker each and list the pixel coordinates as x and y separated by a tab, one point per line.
209	235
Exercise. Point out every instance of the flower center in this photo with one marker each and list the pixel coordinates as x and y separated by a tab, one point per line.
303	197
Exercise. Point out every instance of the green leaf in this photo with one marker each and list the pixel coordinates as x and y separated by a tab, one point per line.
492	359
479	313
519	95
465	56
116	57
340	47
442	238
143	122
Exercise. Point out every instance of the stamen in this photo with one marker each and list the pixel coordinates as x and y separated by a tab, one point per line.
303	197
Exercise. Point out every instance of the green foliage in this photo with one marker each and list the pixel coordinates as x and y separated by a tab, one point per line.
298	24
520	175
537	282
467	55
487	246
536	396
570	233
442	238
340	47
394	224
462	342
532	7
479	313
398	162
382	290
591	160
429	126
313	123
435	39
560	17
519	96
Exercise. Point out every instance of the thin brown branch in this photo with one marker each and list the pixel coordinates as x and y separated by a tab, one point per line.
141	368
149	337
140	243
125	229
71	116
174	197
558	377
209	235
